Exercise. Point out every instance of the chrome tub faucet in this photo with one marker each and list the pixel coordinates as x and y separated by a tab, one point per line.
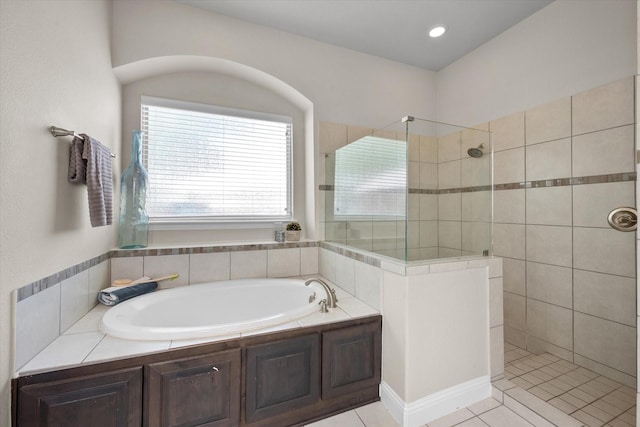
332	299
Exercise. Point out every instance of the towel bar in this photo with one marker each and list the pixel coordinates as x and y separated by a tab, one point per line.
56	131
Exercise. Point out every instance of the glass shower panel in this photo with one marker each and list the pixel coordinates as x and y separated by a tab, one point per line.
368	200
414	190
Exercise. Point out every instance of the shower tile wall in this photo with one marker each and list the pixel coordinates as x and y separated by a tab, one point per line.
569	279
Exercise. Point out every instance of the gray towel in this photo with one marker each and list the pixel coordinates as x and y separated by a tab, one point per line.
90	163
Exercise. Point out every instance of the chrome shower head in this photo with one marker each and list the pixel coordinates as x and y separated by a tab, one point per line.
476	152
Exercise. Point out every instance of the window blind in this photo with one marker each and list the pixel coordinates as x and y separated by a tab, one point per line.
371	179
207	163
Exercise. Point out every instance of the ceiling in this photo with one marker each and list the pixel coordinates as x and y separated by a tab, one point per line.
392	29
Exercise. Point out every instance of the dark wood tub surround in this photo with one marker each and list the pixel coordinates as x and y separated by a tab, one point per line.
286	378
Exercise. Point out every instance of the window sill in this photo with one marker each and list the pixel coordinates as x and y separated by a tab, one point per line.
210	225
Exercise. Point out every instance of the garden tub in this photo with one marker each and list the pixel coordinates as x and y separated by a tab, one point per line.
211	309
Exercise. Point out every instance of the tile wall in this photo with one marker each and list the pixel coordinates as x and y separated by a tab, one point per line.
569	279
47	308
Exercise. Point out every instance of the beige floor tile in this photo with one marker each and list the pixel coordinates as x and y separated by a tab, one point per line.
550	388
566	364
535	362
542	394
503	417
563	405
598	413
550	357
531	378
376	415
595	391
608	381
607	407
473	422
550	371
522	383
619	400
556	382
582	395
483	406
627	390
522	366
578	376
586	372
573	400
619	423
503	384
526	413
542	375
541	408
514	370
452	419
346	419
570	380
587	419
628	417
508	347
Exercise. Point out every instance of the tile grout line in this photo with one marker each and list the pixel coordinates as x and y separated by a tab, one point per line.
596	399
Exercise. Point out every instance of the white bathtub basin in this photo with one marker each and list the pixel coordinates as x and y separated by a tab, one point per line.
210	309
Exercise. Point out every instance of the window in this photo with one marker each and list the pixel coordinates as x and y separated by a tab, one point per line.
213	164
371	179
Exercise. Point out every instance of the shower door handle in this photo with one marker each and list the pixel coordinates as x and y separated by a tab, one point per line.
623	219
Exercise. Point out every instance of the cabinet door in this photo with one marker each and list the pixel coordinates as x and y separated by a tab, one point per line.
351	359
282	376
196	391
106	399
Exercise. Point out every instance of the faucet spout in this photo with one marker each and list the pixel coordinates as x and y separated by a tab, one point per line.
331	293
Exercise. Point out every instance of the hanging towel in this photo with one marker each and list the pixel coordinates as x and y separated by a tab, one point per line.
90	163
116	294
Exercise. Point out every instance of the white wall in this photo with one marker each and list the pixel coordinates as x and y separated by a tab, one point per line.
56	70
565	48
344	86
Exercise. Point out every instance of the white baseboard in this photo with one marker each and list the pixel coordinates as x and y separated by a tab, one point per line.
436	405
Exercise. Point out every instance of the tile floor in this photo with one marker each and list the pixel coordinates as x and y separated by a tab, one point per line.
538	390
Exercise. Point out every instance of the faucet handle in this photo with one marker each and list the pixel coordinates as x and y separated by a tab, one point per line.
335	297
323	306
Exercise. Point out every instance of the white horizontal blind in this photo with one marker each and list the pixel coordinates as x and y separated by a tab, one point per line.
371	179
207	163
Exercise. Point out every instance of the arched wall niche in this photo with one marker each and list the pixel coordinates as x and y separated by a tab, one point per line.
136	73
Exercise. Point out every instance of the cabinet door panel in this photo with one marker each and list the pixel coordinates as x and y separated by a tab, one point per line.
196	391
351	359
106	399
282	376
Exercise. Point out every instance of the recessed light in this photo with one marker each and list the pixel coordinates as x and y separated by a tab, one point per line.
437	31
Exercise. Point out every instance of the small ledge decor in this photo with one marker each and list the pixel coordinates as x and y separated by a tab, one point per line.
293	231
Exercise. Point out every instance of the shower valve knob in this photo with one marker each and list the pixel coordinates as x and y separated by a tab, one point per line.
623	219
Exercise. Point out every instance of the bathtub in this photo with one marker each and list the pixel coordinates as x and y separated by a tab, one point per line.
211	309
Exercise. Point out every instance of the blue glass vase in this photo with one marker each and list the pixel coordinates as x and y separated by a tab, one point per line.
133	231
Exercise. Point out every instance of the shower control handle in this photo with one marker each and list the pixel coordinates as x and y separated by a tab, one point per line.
623	219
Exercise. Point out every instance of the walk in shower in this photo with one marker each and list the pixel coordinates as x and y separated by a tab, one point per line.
413	190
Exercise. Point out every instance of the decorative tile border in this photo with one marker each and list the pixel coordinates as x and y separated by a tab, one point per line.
557	182
49	281
349	253
40	285
124	253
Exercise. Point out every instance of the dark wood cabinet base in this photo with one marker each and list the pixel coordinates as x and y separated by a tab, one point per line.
287	378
